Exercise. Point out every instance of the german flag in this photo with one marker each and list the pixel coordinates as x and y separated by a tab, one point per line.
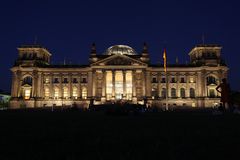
165	60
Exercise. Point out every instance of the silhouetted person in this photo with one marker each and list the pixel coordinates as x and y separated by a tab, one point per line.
225	91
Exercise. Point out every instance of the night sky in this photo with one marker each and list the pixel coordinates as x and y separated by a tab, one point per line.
67	28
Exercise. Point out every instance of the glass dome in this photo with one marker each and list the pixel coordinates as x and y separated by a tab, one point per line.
120	49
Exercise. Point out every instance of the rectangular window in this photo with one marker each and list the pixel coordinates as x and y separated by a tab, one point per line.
55	80
163	80
46	80
154	80
84	80
65	80
173	80
27	94
74	94
182	80
75	80
191	80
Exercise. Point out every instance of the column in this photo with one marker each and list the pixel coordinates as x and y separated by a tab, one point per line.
134	83
61	86
124	84
187	86
94	83
79	86
143	83
148	84
158	83
113	81
70	85
178	88
19	82
199	85
35	84
51	90
104	84
90	83
39	85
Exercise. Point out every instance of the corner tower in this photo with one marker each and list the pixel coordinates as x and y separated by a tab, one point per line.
32	55
205	54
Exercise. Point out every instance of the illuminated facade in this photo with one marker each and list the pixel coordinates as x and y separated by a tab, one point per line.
119	74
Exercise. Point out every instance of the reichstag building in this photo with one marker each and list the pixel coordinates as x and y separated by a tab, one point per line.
119	75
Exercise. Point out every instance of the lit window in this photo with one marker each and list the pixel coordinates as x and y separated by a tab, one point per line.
56	93
27	93
74	94
84	93
47	80
46	92
191	80
65	92
212	93
193	104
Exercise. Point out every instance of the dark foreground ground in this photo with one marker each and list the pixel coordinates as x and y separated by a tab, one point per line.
82	135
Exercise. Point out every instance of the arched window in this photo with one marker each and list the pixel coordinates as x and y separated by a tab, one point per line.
74	94
163	93
192	93
46	92
27	80
84	93
173	92
182	93
56	93
65	92
211	80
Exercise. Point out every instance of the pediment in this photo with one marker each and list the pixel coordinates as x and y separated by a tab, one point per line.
26	86
117	60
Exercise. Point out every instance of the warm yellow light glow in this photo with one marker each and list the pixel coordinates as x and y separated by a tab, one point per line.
27	93
191	80
84	93
193	104
118	84
56	93
46	92
65	92
74	94
47	80
129	85
109	85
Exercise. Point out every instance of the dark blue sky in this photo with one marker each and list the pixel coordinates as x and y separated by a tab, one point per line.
67	28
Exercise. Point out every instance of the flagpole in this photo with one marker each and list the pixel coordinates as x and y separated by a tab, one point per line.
165	70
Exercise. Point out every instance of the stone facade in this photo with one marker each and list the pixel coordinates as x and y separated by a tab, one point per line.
119	74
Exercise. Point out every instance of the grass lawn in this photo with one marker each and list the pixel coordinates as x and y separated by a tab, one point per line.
83	135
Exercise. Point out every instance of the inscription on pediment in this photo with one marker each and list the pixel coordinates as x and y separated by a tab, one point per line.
120	61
